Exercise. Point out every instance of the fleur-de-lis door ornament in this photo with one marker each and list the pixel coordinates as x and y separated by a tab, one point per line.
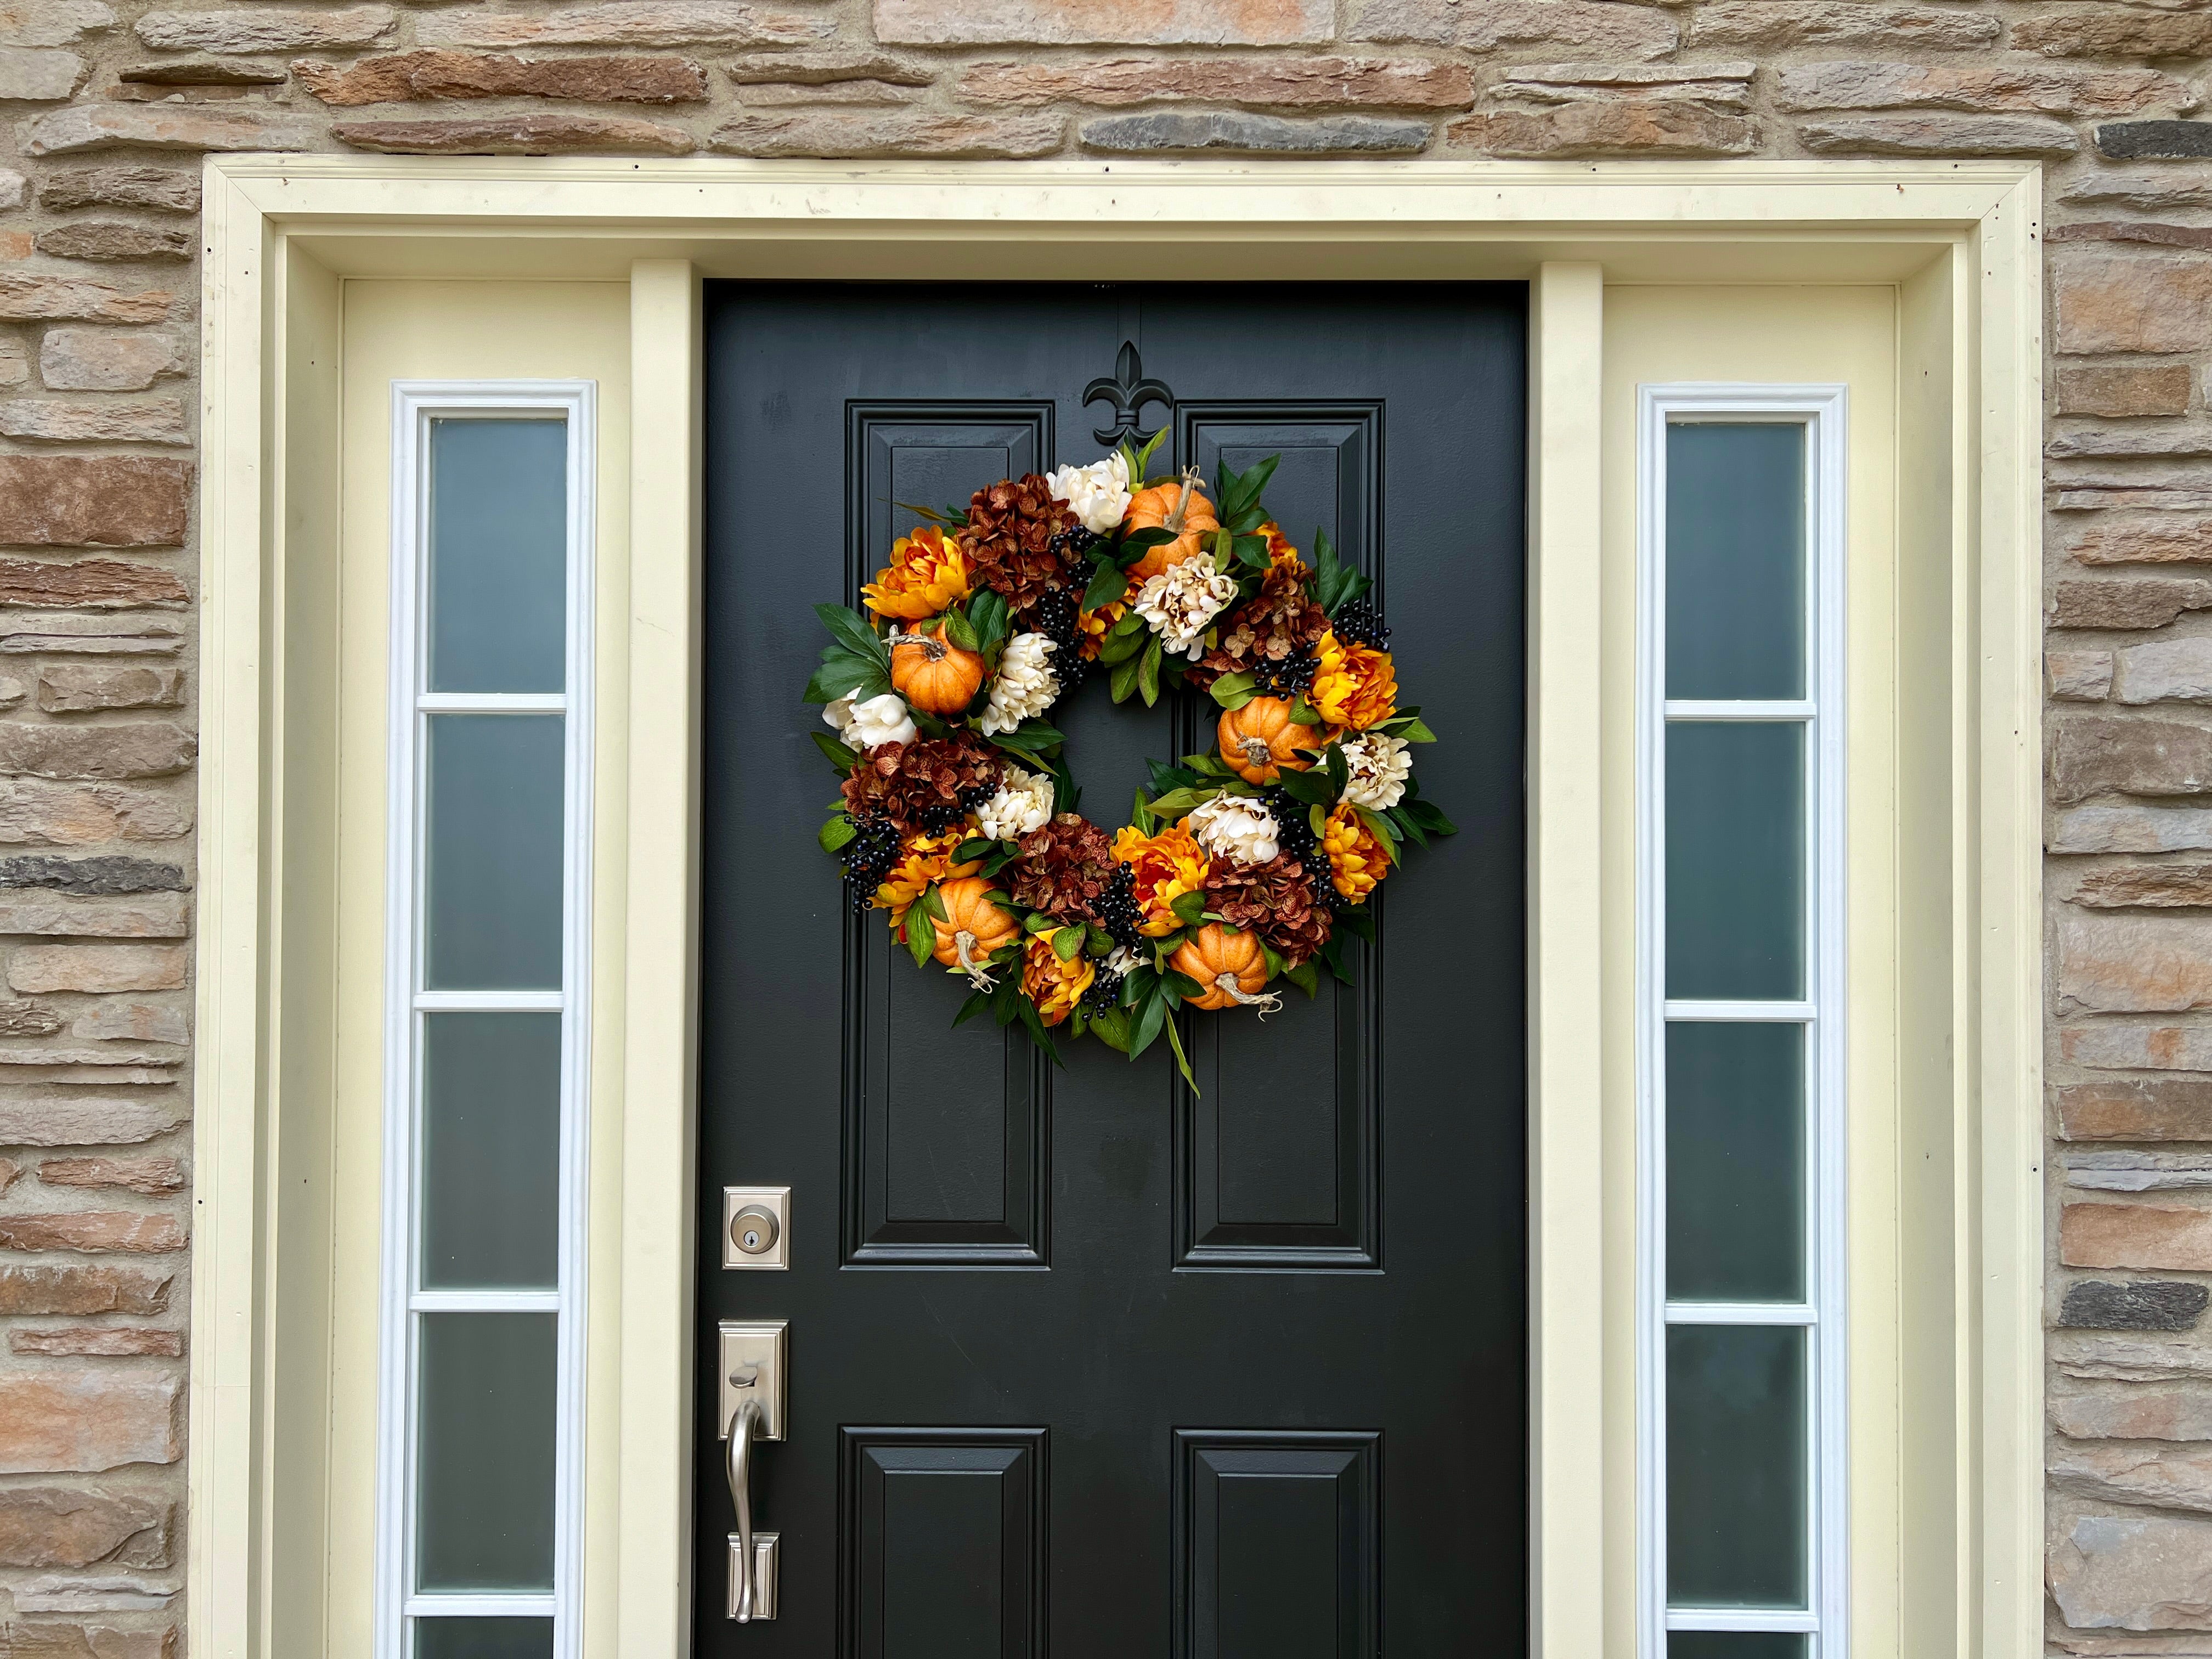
1127	391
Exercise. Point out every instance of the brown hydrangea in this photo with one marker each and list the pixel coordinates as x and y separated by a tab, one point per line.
924	787
1065	866
1277	623
1020	541
1277	900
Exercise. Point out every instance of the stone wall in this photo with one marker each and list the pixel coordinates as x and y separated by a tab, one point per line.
108	102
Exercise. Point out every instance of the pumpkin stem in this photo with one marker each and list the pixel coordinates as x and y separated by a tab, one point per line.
1256	751
933	645
1267	1002
978	972
1182	501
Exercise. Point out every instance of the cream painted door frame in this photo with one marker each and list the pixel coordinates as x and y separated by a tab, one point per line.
1956	241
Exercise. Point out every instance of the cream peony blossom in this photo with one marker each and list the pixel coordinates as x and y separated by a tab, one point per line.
1026	684
870	725
1122	960
1024	803
1099	494
1379	766
1234	827
1181	601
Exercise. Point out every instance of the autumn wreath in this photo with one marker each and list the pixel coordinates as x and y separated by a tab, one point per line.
1242	866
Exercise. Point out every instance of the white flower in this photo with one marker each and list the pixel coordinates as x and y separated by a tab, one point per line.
1379	766
1024	803
879	720
1234	826
1122	960
1181	600
1026	684
839	715
1098	493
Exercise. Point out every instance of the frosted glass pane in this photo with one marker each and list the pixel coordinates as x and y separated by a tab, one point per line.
499	555
1735	859
484	1639
491	1151
492	914
1735	1644
1736	1162
484	1484
1737	1474
1735	560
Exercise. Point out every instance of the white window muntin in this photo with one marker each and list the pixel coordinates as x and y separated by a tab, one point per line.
1821	410
416	405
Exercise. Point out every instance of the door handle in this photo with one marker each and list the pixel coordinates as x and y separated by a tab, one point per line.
754	1374
745	1571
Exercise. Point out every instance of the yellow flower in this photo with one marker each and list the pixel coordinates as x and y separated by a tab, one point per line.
1280	551
1354	685
1358	858
1095	624
922	859
1165	868
1054	986
926	575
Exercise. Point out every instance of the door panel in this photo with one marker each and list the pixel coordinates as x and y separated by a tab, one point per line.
1083	1360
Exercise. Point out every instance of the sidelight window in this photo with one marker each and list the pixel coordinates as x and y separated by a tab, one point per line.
1740	1354
481	1407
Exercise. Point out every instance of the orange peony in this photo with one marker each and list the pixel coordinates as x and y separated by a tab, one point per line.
1165	866
922	859
926	575
1280	551
1354	685
1054	986
1358	858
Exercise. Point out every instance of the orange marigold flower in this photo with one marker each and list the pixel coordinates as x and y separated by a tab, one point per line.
1280	551
1354	685
922	859
1054	986
1096	623
1358	858
1164	867
927	575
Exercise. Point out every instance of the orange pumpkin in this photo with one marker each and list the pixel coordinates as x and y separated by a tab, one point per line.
1228	963
934	674
1179	505
1260	739
974	925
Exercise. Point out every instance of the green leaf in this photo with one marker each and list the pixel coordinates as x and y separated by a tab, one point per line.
836	833
1340	769
1413	732
1426	814
921	937
1228	686
1120	649
1305	713
1144	457
1148	673
1303	977
961	632
849	630
1188	908
1067	944
1311	787
987	615
1182	985
969	851
1109	583
1379	825
1099	941
1407	828
1038	1035
933	901
935	515
1149	1015
1112	1028
839	756
1332	954
1273	957
844	675
1144	540
1183	1060
977	1003
1177	802
1036	923
1123	680
1166	777
1317	820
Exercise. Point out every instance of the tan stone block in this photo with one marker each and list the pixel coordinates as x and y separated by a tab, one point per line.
1076	23
28	1020
1722	85
2126	1360
81	1122
77	298
1594	128
47	1639
106	1341
34	812
2134	604
52	22
168	126
2079	676
837	133
2163	670
2153	443
15	244
2091	755
53	1422
104	967
772	95
2121	302
1939	135
118	421
1241	132
151	1175
108	238
2138	1412
824	68
2134	964
38	74
118	1019
1413	83
93	1231
2123	390
108	500
1783	23
436	74
2163	886
63	632
68	1527
159	188
90	584
264	28
2131	829
2149	232
15	363
2053	91
1559	26
517	135
626	23
2121	32
140	749
2108	1047
70	688
2133	1235
107	359
150	915
2157	541
2165	1478
78	1290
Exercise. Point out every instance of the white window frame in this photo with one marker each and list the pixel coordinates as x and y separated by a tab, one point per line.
1821	410
415	403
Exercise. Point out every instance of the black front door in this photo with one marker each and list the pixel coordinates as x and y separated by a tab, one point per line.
1083	1361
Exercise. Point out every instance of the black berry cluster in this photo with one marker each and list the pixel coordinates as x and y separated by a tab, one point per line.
1117	911
1288	678
1058	618
868	858
1361	623
1103	992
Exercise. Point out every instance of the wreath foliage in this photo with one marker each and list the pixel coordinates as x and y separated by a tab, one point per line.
1238	868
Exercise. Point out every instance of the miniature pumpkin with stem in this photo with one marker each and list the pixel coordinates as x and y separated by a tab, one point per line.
1178	507
934	674
1260	739
1229	965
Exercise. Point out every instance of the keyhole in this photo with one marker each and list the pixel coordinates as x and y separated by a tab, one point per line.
752	1238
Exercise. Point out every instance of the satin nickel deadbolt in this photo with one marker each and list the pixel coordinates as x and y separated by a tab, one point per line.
756	1226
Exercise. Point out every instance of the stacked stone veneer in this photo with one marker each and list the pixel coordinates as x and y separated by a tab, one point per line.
107	102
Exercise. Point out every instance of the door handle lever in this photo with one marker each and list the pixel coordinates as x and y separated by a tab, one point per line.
754	1373
744	1595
